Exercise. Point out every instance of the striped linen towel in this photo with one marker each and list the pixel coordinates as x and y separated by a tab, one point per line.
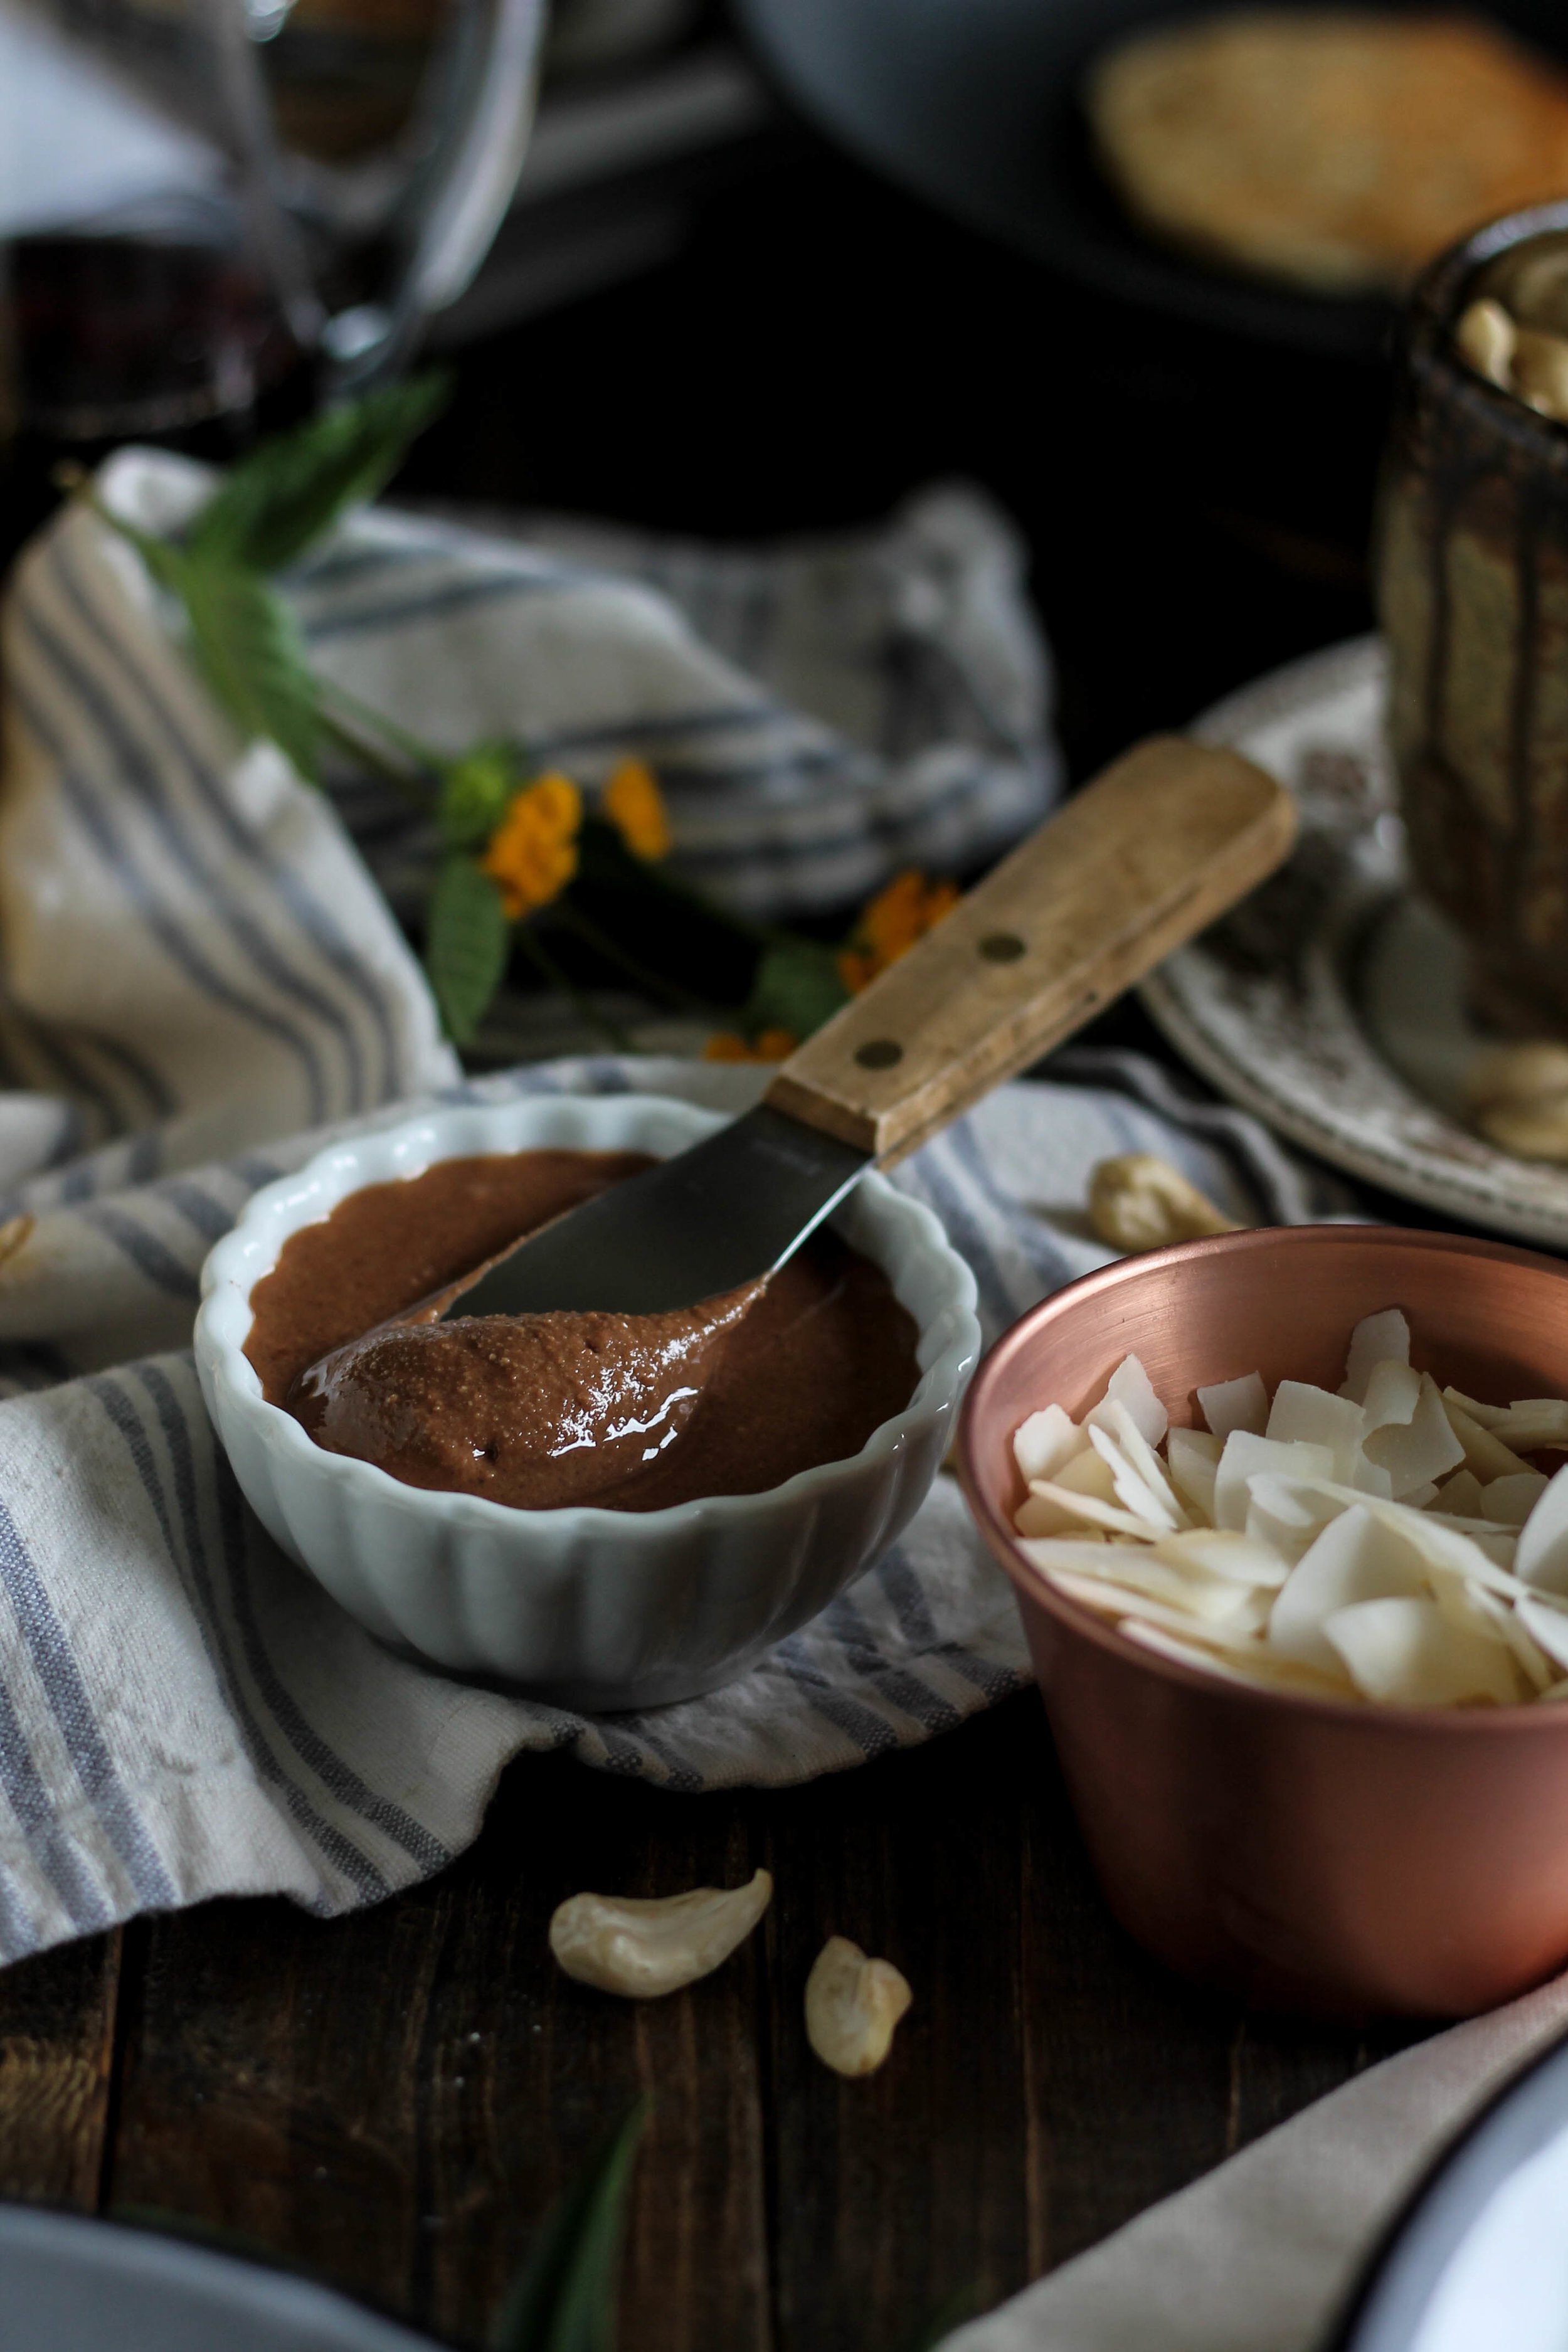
818	715
197	964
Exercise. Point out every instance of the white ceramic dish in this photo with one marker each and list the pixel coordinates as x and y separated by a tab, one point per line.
592	1608
1331	1004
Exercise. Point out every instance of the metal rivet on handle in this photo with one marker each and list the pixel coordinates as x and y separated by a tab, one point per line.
878	1054
1001	947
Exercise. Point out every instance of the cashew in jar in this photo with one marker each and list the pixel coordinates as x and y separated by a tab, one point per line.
644	1947
852	2005
1486	335
1139	1202
1540	370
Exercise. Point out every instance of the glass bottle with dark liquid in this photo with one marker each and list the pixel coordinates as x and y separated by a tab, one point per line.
354	157
112	339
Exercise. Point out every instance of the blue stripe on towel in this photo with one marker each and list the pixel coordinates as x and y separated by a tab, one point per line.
194	1575
316	921
308	1743
140	893
137	770
69	1703
146	1252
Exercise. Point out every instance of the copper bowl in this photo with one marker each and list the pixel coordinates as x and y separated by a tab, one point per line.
1307	1853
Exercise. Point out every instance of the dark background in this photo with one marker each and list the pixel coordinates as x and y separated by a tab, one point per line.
1198	505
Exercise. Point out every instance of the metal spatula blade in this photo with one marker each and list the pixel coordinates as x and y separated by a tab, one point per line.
1168	838
736	1205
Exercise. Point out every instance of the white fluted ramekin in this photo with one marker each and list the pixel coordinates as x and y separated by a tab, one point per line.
591	1607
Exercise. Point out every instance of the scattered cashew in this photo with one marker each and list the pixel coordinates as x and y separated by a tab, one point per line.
1486	335
1139	1202
1518	1098
642	1946
852	2005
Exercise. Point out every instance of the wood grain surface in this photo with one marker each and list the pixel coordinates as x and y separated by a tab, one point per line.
390	2101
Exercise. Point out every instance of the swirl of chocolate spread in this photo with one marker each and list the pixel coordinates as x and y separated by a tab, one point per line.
629	1412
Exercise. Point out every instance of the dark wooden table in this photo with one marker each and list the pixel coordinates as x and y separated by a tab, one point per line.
391	2101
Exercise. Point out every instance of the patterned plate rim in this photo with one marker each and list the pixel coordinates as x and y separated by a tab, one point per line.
1294	1094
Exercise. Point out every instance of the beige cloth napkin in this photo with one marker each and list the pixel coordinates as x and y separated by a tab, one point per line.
1261	2254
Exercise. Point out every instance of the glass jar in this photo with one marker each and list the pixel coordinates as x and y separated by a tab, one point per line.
1471	574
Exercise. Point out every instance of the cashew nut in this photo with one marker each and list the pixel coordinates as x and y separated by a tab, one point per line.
644	1947
1139	1202
1518	1096
852	2005
1540	370
1486	334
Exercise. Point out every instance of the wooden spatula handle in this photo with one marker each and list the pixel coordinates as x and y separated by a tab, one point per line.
1166	839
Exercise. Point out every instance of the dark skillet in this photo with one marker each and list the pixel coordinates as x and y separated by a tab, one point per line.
973	104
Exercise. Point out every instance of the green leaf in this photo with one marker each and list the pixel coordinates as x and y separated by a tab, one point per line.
274	502
475	792
250	653
466	944
796	987
564	2300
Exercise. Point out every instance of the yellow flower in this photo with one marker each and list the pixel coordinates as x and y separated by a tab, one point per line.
532	852
889	925
768	1045
634	806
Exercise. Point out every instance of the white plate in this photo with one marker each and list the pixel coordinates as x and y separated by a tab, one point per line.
1332	1004
77	2286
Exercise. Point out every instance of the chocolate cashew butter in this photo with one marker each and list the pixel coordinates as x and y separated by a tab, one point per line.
629	1412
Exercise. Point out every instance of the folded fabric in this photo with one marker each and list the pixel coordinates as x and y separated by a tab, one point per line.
1261	2254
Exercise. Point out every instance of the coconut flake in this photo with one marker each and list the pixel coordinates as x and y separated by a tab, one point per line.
1245	1454
1124	1601
1046	1443
1382	1339
1130	1386
1221	1551
1235	1404
1133	1492
1393	1395
1542	1558
1510	1501
1081	1510
1354	1559
1418	1452
1138	1570
1461	1495
1285	1515
1192	1457
1486	1456
1545	1624
1537	1667
1301	1413
1407	1653
1261	1672
1534	1425
1146	1461
1486	1414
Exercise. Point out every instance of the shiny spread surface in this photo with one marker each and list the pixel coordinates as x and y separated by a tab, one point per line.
632	1412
